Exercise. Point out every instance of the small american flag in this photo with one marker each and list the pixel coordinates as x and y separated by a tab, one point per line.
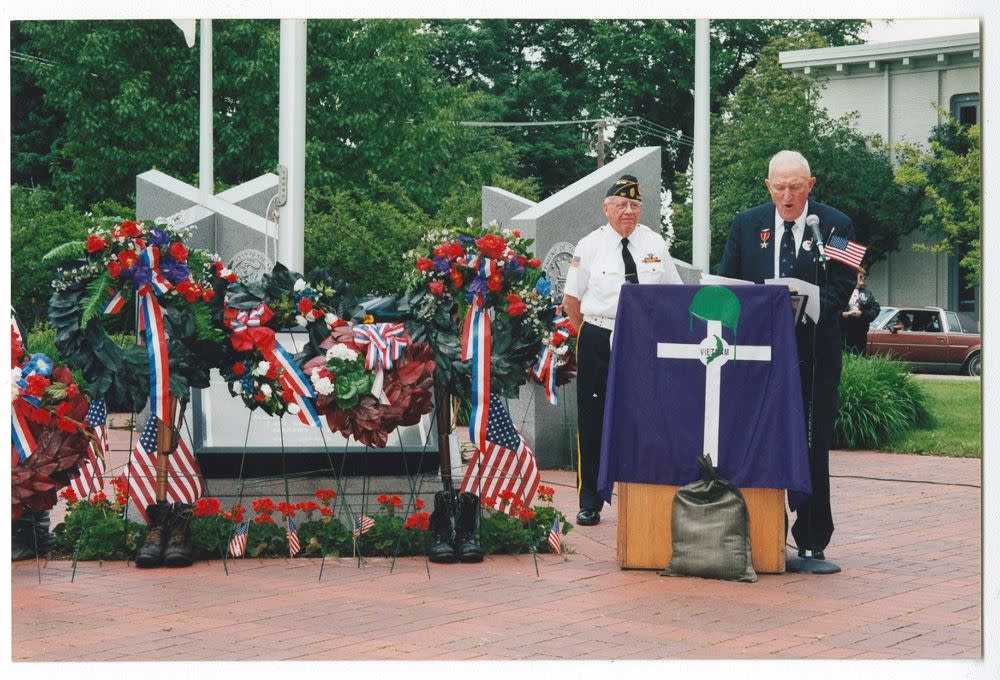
507	464
362	523
183	478
91	478
293	538
555	536
239	543
848	252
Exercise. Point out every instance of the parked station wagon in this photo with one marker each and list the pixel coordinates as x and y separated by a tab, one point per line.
930	338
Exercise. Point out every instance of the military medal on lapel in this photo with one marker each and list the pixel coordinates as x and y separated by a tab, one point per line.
807	246
765	236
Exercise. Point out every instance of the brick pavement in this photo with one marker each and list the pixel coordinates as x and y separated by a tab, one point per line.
907	538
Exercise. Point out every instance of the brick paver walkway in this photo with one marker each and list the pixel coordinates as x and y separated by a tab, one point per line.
907	538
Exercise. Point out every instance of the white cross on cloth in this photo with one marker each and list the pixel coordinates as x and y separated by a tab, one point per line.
714	352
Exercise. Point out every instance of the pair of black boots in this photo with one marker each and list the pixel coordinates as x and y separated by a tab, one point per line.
28	532
168	541
453	527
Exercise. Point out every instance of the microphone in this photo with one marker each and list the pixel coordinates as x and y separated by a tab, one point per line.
813	223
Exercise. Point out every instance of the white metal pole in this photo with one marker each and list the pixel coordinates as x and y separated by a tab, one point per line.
206	169
701	235
292	142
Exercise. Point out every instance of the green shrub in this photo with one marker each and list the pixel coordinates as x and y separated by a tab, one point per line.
106	534
878	401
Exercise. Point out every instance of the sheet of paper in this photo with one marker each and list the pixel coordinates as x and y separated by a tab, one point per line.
803	288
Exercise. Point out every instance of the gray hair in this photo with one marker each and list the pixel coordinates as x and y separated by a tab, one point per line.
787	157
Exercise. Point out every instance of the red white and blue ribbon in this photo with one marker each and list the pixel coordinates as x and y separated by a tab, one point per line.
476	345
114	304
384	343
249	332
20	435
545	367
151	317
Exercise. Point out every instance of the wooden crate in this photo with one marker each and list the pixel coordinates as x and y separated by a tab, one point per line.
644	526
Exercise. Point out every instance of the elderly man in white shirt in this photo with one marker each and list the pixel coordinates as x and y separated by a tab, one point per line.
620	251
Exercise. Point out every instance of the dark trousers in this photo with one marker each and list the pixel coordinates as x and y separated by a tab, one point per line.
813	525
855	332
593	354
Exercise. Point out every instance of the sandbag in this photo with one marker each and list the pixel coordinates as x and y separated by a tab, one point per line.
710	529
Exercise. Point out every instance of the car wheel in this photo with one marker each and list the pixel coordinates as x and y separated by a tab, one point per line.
974	365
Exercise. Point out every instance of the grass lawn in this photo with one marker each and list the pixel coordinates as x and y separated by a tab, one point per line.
957	430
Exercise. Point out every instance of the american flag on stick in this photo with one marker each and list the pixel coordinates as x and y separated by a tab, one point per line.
362	523
847	252
238	545
293	538
507	464
183	477
91	478
555	536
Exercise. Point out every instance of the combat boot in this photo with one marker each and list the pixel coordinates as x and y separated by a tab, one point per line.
151	552
179	551
442	546
466	523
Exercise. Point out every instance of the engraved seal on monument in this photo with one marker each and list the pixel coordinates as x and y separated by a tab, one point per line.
251	264
556	265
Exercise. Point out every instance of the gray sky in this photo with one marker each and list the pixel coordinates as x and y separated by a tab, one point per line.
910	29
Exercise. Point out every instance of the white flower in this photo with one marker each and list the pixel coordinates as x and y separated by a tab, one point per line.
15	375
238	387
341	351
299	286
323	385
265	390
293	409
470	221
331	318
301	320
262	368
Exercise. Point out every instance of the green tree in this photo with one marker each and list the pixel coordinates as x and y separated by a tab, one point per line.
540	70
949	176
774	109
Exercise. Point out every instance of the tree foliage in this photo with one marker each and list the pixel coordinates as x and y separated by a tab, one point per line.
774	109
949	177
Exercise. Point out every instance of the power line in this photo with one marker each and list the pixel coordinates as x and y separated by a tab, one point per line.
643	124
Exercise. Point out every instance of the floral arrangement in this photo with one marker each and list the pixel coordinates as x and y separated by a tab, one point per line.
459	274
50	437
177	291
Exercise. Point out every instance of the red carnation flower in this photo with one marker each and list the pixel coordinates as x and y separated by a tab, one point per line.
114	268
456	278
129	228
95	243
272	371
495	282
238	368
305	305
179	252
522	260
208	295
516	309
259	397
534	262
491	245
37	384
127	259
425	264
453	250
436	287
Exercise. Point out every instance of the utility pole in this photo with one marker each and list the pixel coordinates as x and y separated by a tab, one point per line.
600	143
701	235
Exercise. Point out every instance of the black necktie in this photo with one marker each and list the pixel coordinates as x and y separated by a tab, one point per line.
786	259
631	275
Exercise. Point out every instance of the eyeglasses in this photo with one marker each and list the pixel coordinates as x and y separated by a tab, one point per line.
781	188
622	205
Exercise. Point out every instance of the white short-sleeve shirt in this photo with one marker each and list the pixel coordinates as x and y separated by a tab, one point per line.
597	271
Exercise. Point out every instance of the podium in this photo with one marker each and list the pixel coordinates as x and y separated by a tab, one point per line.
644	512
702	369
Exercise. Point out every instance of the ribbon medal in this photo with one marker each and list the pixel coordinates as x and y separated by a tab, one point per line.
765	236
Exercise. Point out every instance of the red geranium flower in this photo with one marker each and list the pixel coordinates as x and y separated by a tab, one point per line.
325	495
397	501
419	503
383	499
179	252
68	495
491	245
95	243
99	497
326	512
436	287
263	519
425	264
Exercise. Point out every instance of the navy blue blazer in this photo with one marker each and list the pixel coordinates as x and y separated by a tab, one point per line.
749	255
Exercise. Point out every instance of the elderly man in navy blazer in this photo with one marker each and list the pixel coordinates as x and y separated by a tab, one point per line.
774	240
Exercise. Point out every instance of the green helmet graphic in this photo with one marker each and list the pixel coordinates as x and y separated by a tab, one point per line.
716	303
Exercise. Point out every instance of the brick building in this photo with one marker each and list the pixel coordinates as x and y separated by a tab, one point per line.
892	87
